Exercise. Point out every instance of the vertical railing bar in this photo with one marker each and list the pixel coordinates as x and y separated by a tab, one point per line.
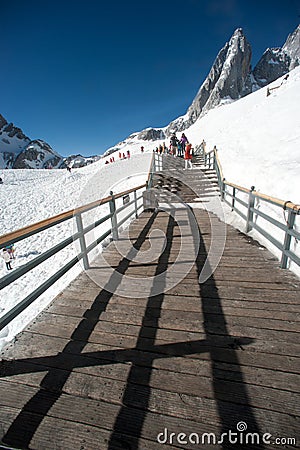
287	239
135	204
233	198
251	200
114	222
82	241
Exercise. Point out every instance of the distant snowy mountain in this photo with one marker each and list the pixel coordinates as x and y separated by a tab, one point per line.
37	155
12	142
76	161
18	151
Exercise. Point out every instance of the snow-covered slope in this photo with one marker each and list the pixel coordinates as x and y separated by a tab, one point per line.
258	138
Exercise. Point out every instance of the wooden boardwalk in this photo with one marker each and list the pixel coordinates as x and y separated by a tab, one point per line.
114	364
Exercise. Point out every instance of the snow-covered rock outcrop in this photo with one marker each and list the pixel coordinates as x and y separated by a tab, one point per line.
12	142
18	151
276	62
38	155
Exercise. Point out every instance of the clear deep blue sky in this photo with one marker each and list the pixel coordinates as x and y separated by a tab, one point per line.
83	75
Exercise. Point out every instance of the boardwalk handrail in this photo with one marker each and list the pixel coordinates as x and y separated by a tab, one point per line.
212	161
45	224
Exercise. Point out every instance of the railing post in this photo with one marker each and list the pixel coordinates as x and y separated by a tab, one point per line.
214	157
251	201
135	204
82	241
223	189
233	198
287	239
114	223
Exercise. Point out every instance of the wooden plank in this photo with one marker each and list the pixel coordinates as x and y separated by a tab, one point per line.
69	298
245	309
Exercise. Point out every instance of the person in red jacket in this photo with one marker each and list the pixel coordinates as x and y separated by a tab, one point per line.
188	156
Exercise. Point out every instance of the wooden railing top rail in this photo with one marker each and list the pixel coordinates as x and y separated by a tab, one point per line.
236	186
274	200
277	201
29	230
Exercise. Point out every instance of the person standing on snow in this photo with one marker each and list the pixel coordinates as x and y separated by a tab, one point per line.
6	257
11	251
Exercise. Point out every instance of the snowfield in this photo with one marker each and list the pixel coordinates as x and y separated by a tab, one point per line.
258	142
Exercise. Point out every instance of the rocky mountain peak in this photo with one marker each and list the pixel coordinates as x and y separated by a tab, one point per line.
278	61
37	155
292	48
229	78
18	151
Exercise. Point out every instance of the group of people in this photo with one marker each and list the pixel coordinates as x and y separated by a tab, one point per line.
178	147
121	156
8	253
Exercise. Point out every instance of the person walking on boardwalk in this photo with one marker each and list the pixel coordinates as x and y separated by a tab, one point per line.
173	144
179	149
188	156
6	257
183	141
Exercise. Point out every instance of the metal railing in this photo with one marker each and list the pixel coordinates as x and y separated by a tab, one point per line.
79	235
246	203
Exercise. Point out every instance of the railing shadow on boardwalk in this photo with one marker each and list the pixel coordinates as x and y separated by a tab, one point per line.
129	422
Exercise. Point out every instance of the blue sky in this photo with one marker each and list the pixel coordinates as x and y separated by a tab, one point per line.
83	75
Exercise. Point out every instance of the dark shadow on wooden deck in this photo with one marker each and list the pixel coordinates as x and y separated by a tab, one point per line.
121	423
223	397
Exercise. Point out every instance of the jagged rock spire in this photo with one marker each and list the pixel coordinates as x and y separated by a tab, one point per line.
228	78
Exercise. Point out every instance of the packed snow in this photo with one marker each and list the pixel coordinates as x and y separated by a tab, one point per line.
258	142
